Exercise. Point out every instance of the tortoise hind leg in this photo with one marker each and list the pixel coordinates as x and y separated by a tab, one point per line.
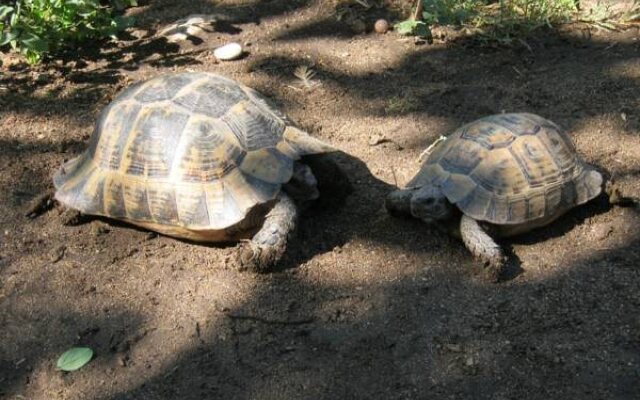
46	201
268	245
40	204
481	245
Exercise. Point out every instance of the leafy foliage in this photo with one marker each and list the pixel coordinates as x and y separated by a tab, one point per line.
450	12
412	27
36	28
503	18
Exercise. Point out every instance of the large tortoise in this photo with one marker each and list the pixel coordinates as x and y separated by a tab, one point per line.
501	175
195	156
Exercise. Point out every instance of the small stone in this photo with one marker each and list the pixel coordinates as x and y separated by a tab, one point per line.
228	52
194	25
381	26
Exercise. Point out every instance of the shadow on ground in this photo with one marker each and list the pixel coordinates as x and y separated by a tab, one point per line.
425	328
409	338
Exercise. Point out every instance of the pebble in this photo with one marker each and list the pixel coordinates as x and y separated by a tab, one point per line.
381	26
192	25
228	52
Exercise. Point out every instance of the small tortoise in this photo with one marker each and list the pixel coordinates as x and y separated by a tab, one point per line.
501	175
196	156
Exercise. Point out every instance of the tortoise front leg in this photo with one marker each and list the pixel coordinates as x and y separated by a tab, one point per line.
482	246
267	246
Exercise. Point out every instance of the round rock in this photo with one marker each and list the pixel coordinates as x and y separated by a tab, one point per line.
228	52
381	26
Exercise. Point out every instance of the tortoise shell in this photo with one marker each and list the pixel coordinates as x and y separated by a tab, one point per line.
510	169
187	154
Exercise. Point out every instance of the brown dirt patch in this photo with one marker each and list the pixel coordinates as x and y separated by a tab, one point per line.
370	306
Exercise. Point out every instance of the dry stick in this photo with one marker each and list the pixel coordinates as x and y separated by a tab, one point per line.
270	321
417	14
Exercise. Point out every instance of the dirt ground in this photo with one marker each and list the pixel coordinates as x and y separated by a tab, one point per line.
367	306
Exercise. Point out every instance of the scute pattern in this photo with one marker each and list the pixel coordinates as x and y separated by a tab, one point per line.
152	142
184	153
213	98
163	89
509	169
207	151
254	128
119	121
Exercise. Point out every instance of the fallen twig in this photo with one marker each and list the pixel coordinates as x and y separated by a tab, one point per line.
270	321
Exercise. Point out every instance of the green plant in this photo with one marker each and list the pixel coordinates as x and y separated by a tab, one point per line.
496	19
451	12
36	28
531	14
412	27
601	14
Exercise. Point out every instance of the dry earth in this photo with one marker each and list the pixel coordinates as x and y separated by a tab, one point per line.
366	306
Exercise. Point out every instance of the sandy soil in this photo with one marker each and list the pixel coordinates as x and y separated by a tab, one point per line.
367	305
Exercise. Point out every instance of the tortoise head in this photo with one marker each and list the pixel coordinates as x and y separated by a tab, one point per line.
303	185
427	203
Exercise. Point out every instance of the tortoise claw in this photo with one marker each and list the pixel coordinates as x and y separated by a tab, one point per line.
40	204
255	258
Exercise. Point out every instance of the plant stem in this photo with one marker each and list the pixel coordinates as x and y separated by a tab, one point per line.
417	14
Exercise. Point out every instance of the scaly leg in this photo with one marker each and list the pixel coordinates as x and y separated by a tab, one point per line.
45	201
267	246
482	246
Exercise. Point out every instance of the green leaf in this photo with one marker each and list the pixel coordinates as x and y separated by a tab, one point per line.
405	27
5	11
35	43
122	22
74	358
32	57
422	30
6	37
412	27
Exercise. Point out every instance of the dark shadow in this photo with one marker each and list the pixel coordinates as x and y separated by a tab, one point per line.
110	333
402	339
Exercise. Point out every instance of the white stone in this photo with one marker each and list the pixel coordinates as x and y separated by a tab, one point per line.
229	51
194	25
